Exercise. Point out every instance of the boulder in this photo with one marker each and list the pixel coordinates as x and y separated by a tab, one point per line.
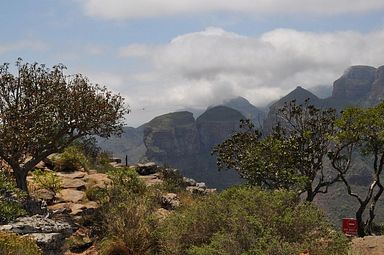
200	190
71	195
201	185
70	183
170	201
37	224
147	168
151	179
189	181
73	175
49	234
97	179
44	194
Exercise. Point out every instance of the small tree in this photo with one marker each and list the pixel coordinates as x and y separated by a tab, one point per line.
292	157
43	110
361	133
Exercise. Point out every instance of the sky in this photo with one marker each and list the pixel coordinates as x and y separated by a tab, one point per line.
170	55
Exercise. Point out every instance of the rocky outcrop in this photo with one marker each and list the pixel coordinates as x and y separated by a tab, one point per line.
49	234
249	111
376	95
355	83
171	136
217	124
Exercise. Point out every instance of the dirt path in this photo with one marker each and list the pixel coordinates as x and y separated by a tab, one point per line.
369	245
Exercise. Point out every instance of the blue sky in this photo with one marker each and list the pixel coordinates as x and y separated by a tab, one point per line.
170	55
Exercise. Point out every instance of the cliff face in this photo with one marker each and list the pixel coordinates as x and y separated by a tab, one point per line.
177	140
355	83
171	136
217	124
376	94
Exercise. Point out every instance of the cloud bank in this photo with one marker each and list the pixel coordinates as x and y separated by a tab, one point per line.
123	9
199	69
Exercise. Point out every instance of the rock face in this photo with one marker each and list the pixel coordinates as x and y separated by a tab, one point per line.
359	85
247	109
176	139
217	124
171	135
355	83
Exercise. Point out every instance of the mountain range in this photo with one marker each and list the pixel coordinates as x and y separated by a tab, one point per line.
180	140
184	141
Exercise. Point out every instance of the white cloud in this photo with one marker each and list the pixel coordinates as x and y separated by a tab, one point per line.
121	9
198	69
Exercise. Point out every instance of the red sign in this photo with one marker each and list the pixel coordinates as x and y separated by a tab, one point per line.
350	226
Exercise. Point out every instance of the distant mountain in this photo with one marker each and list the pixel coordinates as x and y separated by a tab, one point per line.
178	140
171	136
247	109
217	124
299	94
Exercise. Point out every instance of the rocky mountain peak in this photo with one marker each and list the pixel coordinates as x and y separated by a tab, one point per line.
355	83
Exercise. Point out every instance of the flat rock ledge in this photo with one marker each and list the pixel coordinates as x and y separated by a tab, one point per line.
49	234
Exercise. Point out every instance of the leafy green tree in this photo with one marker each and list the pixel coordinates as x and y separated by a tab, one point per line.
43	110
291	157
361	133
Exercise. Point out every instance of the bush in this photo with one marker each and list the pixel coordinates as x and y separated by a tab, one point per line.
10	199
173	180
245	220
71	159
11	244
126	215
47	180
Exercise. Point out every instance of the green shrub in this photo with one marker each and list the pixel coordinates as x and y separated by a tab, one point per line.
245	220
12	244
173	180
10	199
47	180
71	159
97	194
126	215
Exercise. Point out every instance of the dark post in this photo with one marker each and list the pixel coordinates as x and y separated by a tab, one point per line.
126	160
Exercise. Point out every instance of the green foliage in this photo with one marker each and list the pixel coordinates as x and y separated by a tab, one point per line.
47	180
291	157
71	159
173	180
246	220
103	161
11	244
361	133
126	215
37	120
10	199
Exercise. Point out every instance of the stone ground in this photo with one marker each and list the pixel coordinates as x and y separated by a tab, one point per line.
70	203
369	245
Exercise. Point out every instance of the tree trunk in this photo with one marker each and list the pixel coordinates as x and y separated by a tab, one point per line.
310	193
360	222
21	178
369	225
